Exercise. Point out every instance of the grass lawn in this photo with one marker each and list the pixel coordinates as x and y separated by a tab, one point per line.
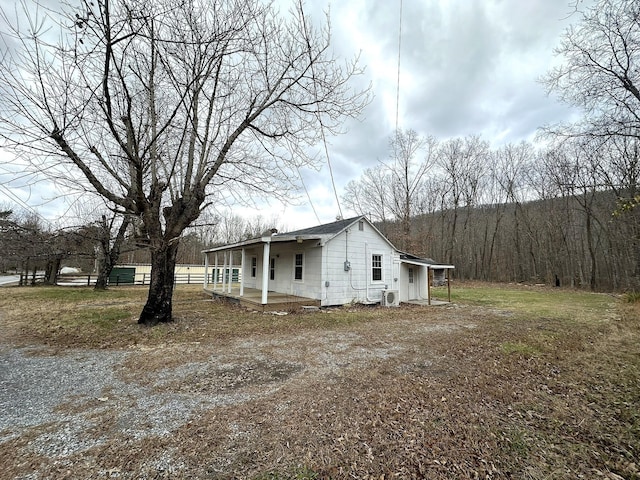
506	382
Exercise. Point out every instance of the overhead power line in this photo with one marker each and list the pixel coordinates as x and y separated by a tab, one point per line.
398	79
23	204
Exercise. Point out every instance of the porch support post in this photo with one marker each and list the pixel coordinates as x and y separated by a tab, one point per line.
265	270
224	271
215	271
448	284
206	270
230	270
241	273
428	285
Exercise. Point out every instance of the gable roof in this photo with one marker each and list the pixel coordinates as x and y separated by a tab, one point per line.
323	233
333	228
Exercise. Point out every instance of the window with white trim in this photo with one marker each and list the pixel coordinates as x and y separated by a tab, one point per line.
272	268
410	274
376	267
254	267
298	270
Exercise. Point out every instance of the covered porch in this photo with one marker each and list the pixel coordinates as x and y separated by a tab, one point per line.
420	275
254	299
254	273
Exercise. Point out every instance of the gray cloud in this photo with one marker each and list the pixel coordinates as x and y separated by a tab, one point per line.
467	67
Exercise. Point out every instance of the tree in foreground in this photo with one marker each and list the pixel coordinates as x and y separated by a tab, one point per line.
160	106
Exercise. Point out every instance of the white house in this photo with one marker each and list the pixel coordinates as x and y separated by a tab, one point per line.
347	261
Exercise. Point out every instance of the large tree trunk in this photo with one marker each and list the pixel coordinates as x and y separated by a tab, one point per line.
158	308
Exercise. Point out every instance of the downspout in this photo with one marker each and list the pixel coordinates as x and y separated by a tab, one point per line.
324	257
366	271
366	280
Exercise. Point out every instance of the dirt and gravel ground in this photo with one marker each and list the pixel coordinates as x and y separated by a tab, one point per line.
458	391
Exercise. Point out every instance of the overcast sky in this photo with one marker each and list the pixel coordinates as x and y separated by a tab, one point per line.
467	67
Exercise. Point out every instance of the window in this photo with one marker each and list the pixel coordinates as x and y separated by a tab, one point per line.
376	267
272	269
254	267
361	225
299	265
410	275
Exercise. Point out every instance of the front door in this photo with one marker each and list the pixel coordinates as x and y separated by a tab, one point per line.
413	294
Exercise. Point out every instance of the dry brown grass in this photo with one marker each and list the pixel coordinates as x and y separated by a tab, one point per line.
506	383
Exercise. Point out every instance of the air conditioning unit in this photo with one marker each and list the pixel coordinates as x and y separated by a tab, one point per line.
390	298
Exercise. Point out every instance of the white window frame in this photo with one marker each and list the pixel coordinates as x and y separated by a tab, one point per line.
272	269
253	266
295	267
380	267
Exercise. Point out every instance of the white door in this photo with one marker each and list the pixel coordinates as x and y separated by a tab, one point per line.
412	292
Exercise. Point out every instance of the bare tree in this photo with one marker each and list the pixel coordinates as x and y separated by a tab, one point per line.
574	167
370	194
110	236
463	162
393	190
600	72
158	106
412	157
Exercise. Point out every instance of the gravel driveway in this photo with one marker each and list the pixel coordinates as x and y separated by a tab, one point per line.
58	404
66	394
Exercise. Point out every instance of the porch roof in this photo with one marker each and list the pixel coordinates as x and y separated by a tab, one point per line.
428	262
282	238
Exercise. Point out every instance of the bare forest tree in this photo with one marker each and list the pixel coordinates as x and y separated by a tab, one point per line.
37	250
369	194
600	73
600	70
25	244
463	162
161	106
393	189
412	158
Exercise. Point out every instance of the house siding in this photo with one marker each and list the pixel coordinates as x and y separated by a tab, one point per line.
284	282
356	285
285	269
249	281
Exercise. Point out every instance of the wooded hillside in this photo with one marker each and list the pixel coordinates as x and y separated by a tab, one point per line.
583	241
